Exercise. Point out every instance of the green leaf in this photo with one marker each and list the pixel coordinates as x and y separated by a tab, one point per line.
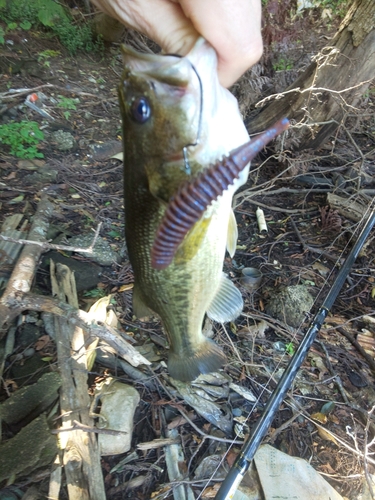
25	25
17	199
50	13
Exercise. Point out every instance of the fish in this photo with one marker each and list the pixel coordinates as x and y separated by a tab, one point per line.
177	122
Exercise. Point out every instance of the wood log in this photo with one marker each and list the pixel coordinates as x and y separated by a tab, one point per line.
81	457
319	99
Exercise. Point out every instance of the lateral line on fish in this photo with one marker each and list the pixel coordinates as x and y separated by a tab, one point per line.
193	198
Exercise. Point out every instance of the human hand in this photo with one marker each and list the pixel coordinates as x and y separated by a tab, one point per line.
232	27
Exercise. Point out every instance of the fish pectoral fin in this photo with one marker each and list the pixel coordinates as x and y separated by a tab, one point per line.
232	234
227	303
139	307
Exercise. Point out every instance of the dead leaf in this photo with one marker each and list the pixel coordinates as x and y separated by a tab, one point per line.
326	435
11	176
125	288
231	457
322	270
211	491
42	342
333	419
319	417
119	156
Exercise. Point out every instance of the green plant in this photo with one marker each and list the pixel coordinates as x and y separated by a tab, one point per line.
67	102
53	16
25	25
282	65
45	12
77	37
96	293
289	348
44	57
117	235
2	33
22	139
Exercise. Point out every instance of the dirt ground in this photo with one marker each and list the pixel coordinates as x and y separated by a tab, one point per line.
307	239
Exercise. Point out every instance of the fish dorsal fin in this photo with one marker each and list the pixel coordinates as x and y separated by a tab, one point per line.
232	234
227	303
139	307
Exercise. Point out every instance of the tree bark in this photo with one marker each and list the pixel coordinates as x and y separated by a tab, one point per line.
339	75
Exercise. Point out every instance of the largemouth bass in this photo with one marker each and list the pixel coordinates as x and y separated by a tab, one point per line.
177	120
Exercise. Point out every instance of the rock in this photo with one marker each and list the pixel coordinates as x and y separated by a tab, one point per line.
87	274
33	398
44	175
105	150
118	404
64	141
290	305
34	446
103	253
27	334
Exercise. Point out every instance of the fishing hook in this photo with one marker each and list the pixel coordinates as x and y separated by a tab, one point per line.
196	142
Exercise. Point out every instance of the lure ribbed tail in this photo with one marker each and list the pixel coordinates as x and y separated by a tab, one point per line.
193	198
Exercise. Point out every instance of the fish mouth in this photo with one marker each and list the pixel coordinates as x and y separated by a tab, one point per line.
172	69
193	198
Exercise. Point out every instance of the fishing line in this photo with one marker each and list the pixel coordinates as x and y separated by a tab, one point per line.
197	140
184	149
298	331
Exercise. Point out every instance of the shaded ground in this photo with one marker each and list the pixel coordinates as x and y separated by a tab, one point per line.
303	246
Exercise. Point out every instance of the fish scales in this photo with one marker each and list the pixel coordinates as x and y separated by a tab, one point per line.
162	112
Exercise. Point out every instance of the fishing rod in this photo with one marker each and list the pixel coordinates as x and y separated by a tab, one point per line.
242	463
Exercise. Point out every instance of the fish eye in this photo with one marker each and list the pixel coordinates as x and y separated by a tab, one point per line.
141	109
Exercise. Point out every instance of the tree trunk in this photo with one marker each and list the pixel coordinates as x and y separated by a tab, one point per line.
318	100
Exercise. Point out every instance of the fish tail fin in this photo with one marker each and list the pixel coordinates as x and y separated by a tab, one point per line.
206	358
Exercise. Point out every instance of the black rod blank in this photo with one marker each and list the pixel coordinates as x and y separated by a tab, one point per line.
243	461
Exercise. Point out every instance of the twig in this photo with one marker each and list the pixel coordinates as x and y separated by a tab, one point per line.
357	345
206	436
280	209
86	428
335	376
51	246
308	89
285	425
13	93
157	443
312	249
367	447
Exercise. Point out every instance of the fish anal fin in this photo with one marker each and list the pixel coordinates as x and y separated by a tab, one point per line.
232	234
227	304
139	307
207	358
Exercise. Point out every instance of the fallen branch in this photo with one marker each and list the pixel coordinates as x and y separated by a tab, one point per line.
44	245
75	317
80	450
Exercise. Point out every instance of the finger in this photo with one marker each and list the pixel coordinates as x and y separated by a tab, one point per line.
233	27
161	20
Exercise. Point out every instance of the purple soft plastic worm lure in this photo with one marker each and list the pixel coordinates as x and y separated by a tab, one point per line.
191	201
